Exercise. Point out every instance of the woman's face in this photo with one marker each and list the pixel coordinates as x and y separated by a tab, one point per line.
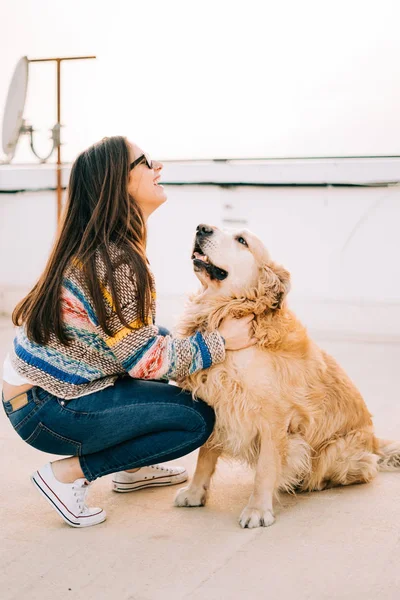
143	186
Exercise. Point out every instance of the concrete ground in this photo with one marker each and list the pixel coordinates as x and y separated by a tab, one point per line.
337	544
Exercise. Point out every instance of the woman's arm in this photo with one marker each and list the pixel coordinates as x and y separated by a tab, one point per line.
141	351
145	354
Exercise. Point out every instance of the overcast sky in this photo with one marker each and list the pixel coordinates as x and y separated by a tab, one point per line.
212	78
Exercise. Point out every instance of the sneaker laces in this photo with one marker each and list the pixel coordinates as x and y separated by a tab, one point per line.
80	492
161	468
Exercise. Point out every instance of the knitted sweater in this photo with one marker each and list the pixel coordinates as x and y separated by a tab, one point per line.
94	360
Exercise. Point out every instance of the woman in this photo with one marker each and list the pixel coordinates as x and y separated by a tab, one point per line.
77	381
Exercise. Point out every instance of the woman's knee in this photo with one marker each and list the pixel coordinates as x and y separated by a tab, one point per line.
206	418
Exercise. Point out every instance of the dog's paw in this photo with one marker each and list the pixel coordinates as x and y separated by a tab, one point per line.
253	517
188	496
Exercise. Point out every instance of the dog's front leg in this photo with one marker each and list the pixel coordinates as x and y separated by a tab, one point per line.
195	494
259	510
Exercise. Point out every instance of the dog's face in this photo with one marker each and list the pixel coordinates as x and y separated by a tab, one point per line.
230	263
224	261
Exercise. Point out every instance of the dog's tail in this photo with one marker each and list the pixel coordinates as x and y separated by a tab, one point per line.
389	455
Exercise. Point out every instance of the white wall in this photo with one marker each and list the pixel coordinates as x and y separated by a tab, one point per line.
341	245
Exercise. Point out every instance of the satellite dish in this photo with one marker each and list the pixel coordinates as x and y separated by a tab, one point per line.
14	123
14	110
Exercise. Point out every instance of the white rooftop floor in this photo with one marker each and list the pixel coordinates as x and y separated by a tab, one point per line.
337	544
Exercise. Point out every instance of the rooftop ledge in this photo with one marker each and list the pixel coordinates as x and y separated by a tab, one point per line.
354	171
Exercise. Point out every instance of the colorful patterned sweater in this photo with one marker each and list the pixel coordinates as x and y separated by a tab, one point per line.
94	360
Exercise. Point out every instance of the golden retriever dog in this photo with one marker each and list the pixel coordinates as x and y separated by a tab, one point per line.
284	406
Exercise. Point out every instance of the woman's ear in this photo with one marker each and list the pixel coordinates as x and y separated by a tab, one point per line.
275	281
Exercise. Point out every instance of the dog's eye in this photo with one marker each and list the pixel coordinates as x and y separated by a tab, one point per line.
241	241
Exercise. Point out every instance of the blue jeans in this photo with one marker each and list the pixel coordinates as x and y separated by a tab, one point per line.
130	424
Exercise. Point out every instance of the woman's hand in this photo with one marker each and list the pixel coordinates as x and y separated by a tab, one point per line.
238	333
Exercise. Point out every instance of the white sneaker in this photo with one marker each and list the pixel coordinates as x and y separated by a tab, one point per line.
151	476
68	499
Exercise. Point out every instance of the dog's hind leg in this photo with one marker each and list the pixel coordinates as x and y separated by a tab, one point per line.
343	461
259	510
195	494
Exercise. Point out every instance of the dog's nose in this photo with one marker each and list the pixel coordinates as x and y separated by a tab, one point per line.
203	230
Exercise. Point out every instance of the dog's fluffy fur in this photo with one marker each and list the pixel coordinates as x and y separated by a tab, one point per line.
284	405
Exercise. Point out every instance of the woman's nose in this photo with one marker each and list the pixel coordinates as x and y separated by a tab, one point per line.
157	165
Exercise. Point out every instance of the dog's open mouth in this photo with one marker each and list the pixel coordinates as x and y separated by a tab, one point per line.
202	262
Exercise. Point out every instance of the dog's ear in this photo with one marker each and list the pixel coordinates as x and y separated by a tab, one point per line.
275	282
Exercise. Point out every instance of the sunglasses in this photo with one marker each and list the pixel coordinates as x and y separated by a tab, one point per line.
143	158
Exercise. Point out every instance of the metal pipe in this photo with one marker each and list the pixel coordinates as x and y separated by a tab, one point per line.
59	189
58	60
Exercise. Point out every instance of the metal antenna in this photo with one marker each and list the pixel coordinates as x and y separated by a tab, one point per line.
56	131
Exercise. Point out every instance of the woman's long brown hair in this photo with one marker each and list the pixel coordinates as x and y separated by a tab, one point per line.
99	210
